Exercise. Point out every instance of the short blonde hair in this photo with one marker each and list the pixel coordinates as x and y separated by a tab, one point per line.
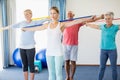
28	10
111	14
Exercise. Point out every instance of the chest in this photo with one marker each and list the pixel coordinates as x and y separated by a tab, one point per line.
109	32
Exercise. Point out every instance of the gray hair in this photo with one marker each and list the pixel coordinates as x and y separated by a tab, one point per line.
111	14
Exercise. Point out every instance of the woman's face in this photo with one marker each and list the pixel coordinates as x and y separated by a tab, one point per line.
28	15
108	20
54	15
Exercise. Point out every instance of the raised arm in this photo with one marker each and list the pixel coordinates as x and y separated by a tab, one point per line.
43	27
4	28
84	20
92	26
93	18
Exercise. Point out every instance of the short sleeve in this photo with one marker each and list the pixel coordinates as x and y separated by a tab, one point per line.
118	26
101	26
16	25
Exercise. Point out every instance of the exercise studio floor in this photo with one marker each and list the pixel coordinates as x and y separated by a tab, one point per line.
82	73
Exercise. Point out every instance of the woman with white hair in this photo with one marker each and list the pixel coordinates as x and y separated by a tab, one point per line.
108	45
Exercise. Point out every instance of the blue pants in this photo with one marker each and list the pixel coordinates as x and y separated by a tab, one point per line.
55	64
112	55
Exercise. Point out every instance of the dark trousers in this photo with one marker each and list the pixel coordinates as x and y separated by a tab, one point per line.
27	56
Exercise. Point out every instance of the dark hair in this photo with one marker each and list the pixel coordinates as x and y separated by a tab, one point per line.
55	8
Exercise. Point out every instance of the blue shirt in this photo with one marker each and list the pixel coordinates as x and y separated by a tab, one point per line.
27	37
108	35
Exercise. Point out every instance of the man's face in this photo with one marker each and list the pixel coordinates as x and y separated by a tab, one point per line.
70	15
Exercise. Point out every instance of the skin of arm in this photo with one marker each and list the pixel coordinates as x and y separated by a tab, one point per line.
82	20
92	26
43	27
4	28
70	23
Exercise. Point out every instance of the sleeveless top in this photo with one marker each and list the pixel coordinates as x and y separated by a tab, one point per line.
54	45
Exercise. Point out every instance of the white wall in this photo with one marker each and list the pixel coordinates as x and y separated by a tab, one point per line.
89	39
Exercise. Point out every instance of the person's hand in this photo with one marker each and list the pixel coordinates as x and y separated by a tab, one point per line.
94	17
1	29
86	24
23	29
102	16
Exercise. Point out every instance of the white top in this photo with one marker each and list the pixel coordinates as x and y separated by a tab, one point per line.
54	45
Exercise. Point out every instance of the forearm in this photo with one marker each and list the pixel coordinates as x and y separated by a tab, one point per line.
4	28
99	17
35	28
93	18
84	20
92	26
31	29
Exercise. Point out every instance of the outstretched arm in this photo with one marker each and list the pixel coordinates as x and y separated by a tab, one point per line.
4	28
83	20
93	19
43	27
92	26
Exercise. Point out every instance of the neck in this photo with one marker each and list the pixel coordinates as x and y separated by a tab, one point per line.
108	25
54	21
29	20
70	18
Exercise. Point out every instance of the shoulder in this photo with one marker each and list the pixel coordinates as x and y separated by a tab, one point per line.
16	25
102	26
46	25
62	26
116	26
22	22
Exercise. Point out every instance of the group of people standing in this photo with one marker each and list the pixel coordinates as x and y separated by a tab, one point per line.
54	52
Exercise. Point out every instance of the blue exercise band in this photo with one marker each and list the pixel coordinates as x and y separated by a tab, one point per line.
75	18
59	21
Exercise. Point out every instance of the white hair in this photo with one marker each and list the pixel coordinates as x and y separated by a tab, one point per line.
111	14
